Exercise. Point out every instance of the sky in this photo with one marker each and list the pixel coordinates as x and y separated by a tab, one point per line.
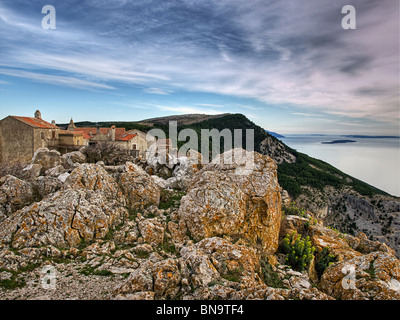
288	65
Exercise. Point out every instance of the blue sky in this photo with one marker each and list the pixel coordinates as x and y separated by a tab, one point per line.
287	65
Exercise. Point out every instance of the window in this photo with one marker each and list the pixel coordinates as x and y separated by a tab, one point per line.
134	146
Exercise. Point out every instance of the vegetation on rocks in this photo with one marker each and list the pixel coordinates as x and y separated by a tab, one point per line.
299	252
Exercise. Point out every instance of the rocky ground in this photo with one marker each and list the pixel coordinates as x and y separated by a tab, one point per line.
145	230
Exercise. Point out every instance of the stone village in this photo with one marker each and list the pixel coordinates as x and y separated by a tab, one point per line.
21	136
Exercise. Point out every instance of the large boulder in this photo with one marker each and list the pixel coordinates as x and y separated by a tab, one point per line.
63	220
138	187
46	159
161	278
73	159
215	259
239	198
95	178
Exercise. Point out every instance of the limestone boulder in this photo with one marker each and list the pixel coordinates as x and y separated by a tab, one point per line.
73	159
239	198
63	220
184	170
94	177
160	277
138	187
46	159
14	194
214	259
46	185
152	231
56	171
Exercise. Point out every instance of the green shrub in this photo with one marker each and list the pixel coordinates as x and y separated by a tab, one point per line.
299	252
323	260
293	210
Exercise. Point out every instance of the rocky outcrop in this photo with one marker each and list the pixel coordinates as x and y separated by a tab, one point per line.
235	199
64	220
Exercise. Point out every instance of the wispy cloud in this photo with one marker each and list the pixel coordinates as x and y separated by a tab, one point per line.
187	110
158	91
55	80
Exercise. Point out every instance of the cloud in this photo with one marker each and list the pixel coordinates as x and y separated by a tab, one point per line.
187	110
55	80
276	52
157	91
210	105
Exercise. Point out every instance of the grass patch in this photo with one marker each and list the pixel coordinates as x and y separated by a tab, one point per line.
87	271
16	281
171	199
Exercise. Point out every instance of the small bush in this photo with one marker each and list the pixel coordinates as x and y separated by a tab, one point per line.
299	252
108	152
293	210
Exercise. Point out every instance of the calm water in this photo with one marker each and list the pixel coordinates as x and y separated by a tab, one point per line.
375	161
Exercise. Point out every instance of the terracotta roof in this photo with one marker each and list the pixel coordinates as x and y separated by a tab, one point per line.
126	137
120	133
36	123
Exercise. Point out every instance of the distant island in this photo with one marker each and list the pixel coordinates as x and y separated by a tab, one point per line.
370	137
337	141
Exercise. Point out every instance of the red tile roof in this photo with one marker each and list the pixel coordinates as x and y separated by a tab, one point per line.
36	123
126	137
120	133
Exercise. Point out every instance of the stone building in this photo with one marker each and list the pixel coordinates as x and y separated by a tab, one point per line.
20	137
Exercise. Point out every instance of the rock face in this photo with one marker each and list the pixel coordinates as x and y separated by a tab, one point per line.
235	199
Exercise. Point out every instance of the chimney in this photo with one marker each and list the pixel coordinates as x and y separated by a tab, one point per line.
38	115
53	122
112	133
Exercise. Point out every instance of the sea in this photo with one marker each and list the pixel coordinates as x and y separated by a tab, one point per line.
373	160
